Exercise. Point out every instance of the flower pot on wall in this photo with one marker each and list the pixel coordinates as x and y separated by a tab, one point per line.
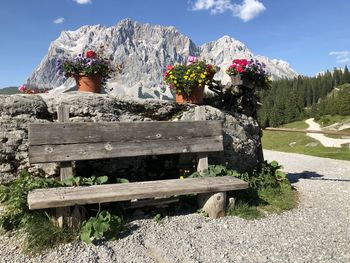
196	96
91	83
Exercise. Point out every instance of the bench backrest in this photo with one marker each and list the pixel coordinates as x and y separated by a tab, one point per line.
59	142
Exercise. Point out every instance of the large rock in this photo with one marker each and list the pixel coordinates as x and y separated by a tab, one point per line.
241	134
144	50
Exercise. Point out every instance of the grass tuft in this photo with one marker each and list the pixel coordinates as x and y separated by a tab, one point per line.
42	234
245	210
279	199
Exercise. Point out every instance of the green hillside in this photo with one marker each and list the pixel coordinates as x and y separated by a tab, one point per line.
295	99
9	90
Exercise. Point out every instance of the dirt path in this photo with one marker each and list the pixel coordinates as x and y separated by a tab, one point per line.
324	140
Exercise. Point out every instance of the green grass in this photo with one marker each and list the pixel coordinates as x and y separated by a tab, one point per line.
296	125
296	143
245	210
278	200
42	234
327	120
264	201
9	91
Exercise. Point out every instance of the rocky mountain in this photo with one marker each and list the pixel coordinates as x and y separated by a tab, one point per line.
144	50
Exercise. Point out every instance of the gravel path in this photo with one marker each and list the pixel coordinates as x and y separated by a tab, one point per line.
317	231
324	140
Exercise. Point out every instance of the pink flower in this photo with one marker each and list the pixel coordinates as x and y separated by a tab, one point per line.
22	88
169	67
192	59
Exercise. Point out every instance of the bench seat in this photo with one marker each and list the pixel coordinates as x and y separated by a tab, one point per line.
70	196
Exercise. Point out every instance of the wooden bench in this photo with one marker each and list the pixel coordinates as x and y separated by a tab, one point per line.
68	141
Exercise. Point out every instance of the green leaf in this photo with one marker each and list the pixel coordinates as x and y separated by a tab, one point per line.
86	231
104	216
85	237
71	181
103	179
100	228
122	181
275	164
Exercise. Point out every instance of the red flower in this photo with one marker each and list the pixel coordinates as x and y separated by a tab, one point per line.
90	54
169	67
244	62
240	69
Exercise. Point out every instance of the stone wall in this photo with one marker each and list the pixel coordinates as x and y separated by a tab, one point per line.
241	134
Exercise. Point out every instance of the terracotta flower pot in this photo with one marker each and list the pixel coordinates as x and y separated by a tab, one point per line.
91	83
196	96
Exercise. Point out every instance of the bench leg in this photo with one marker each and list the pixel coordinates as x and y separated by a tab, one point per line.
214	204
70	217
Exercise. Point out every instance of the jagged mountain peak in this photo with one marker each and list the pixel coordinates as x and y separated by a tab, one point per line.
144	50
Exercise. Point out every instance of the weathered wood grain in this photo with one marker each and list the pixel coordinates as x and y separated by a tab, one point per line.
90	151
63	214
199	115
213	204
72	133
66	168
69	196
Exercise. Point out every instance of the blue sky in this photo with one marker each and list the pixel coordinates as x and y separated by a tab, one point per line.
312	35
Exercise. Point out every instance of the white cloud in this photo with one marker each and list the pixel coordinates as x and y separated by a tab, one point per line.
249	9
215	6
59	20
82	2
341	56
245	11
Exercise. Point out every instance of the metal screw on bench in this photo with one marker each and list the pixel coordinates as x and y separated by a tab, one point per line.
213	204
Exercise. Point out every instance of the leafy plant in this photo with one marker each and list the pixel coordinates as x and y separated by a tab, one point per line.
103	225
215	170
264	176
158	218
14	197
77	180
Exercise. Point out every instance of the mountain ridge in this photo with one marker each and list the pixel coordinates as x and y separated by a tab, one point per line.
144	50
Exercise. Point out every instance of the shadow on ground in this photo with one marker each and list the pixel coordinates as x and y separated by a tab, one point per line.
294	177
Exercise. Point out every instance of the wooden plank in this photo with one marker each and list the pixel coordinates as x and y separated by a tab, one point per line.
307	131
69	196
199	115
66	168
66	133
63	214
70	152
